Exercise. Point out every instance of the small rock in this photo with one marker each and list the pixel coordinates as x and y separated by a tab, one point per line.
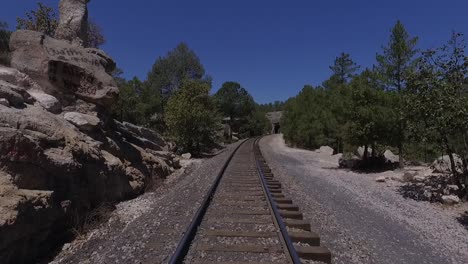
450	199
419	178
4	102
452	188
66	246
380	179
82	121
186	156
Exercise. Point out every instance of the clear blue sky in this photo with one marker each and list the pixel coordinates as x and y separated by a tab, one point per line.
271	47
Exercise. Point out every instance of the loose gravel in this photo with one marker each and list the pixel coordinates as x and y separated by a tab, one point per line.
147	229
362	221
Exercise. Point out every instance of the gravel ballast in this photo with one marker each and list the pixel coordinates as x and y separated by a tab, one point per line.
361	220
147	229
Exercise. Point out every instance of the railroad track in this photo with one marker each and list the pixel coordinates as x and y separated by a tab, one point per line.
245	218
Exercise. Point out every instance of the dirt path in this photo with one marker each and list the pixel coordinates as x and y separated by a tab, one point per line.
363	221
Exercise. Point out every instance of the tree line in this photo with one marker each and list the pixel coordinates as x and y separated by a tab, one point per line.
410	101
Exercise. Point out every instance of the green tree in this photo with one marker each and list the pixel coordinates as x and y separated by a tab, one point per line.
191	117
371	115
344	68
394	65
169	72
4	43
44	20
234	101
436	101
127	106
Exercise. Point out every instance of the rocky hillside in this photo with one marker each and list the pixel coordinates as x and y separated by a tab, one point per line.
61	155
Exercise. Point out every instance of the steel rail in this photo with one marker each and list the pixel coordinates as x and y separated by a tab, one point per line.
287	239
184	244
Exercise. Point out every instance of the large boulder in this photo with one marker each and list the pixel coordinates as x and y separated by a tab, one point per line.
73	24
63	70
442	164
325	150
390	158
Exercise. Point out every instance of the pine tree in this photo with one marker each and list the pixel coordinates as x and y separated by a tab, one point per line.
394	65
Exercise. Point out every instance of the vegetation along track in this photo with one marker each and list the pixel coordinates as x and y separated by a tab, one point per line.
245	218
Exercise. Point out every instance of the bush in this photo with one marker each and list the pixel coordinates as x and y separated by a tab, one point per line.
191	117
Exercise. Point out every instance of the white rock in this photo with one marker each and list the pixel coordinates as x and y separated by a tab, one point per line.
82	121
4	102
450	199
418	178
47	101
380	179
325	150
453	188
186	156
390	157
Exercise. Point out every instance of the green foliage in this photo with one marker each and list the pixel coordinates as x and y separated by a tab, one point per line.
44	20
4	43
169	72
191	117
372	117
234	101
127	108
397	59
436	99
344	68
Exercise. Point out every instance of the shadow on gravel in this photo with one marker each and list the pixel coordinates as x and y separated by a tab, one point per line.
463	219
413	191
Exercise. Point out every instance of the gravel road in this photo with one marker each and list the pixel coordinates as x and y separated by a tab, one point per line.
147	229
362	221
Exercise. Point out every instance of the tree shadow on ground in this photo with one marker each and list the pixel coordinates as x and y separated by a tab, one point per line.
463	219
413	191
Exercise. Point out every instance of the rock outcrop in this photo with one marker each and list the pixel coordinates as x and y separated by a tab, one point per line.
73	23
61	155
62	70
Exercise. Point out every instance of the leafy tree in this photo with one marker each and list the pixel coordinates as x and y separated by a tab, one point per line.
191	116
44	20
234	101
436	101
394	65
169	72
126	107
4	43
371	116
344	68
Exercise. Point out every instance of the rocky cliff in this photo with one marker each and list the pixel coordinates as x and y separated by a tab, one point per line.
61	155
